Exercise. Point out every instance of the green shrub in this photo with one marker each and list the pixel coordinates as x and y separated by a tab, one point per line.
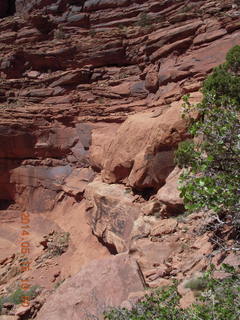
186	154
218	300
233	58
16	296
211	177
221	87
197	284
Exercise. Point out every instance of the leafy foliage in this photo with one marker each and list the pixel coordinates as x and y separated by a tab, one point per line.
233	58
218	300
212	160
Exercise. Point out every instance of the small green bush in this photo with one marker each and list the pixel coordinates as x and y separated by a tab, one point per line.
233	58
197	284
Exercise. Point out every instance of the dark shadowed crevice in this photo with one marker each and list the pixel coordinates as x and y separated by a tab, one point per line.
5	204
145	193
111	248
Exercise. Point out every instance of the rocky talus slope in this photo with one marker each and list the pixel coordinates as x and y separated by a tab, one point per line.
90	117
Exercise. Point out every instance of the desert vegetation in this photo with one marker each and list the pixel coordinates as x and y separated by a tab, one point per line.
217	300
211	159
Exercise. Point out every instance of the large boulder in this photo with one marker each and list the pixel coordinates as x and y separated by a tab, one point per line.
112	214
142	152
99	285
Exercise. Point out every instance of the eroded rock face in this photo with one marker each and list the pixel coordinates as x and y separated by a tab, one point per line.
52	155
89	88
169	194
142	153
101	284
112	214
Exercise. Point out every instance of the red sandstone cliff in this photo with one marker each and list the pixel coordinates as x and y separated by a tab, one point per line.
90	118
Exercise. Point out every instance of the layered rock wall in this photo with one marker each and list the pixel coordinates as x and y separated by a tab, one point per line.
70	69
90	118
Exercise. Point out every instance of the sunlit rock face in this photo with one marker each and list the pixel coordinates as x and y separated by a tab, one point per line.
90	118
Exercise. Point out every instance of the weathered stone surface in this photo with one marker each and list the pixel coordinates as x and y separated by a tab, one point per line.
210	36
5	317
101	139
112	214
78	19
71	73
233	260
92	5
142	152
39	185
101	284
122	89
169	194
77	181
165	226
152	81
152	254
179	46
20	143
73	78
36	185
187	298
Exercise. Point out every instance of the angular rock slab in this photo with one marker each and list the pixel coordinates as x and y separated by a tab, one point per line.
112	214
142	151
169	194
101	284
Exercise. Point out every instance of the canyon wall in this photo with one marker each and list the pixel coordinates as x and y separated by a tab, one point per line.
90	117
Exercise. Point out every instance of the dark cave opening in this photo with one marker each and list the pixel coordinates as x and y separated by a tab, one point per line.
146	193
